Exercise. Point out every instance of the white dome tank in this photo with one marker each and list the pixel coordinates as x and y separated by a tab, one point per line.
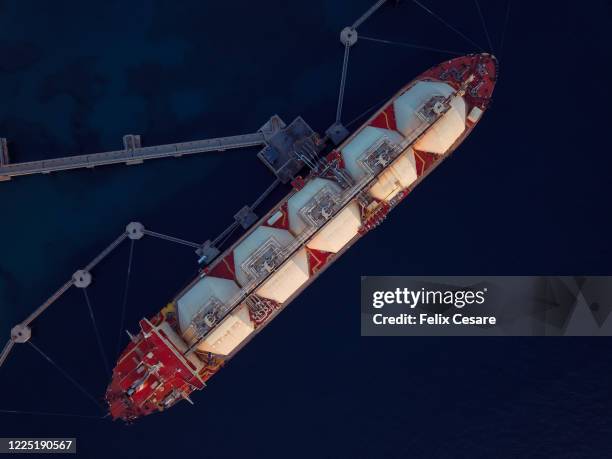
338	231
407	105
263	241
398	176
288	279
202	292
354	150
229	333
441	136
301	199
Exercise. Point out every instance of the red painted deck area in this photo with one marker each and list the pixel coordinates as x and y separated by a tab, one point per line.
151	375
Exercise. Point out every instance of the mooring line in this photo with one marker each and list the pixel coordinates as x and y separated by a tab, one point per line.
227	236
410	45
484	26
97	332
345	61
365	112
506	19
457	31
66	375
125	297
44	413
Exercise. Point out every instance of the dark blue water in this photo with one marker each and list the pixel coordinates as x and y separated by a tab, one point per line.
528	193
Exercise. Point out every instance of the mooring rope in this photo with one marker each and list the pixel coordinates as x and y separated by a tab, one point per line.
44	413
410	45
66	375
484	26
227	236
365	112
506	19
97	332
345	61
125	297
457	31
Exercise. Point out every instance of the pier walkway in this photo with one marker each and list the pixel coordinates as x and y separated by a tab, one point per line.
132	153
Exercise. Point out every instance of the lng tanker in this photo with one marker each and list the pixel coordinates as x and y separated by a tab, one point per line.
346	194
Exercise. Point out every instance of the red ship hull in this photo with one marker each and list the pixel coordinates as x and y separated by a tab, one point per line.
166	361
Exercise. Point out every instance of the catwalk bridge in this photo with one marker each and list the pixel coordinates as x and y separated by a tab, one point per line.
133	153
275	154
286	149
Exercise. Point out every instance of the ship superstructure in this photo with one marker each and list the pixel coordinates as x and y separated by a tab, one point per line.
346	194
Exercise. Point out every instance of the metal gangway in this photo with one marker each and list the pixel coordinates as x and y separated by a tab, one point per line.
132	153
286	150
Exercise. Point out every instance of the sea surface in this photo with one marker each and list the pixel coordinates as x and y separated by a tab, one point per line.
527	193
